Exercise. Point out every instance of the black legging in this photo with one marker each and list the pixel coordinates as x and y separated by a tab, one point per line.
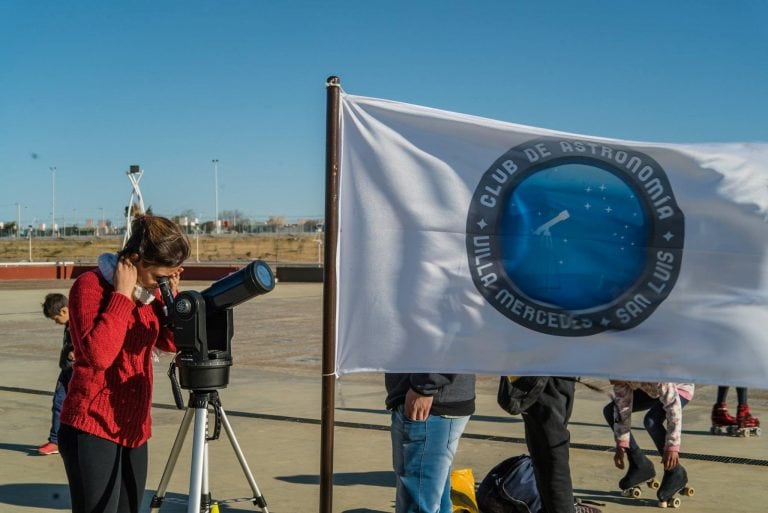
741	394
104	477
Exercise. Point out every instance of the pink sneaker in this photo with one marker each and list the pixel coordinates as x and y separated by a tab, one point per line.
48	448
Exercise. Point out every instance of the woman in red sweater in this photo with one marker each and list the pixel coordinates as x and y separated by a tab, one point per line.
116	322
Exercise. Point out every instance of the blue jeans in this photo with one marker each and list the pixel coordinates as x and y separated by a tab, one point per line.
422	454
58	400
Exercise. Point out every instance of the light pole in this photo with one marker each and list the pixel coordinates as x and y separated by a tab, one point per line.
18	220
196	226
216	192
53	201
98	229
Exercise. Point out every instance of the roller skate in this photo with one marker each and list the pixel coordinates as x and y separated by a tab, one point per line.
674	482
746	424
722	421
640	471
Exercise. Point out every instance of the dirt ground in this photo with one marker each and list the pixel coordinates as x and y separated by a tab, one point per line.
298	248
274	402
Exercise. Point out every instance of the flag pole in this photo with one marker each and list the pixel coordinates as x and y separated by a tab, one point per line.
332	144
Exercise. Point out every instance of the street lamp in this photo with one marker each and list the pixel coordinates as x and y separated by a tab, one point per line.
98	228
53	201
18	220
29	234
216	191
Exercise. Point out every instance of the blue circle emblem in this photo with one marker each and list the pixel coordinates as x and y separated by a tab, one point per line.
572	238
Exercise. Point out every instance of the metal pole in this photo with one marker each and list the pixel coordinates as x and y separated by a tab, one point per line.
18	220
332	147
197	243
53	201
216	192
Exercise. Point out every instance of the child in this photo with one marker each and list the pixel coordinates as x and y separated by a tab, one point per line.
663	401
744	421
55	308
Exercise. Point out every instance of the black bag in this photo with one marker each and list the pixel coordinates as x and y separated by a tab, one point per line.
510	487
517	394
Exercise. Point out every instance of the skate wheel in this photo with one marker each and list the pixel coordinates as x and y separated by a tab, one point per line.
654	484
662	504
633	492
687	491
675	503
758	432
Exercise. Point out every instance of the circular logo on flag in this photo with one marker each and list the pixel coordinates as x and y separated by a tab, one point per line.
572	237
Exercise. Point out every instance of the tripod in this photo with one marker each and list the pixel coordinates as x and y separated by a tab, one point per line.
199	494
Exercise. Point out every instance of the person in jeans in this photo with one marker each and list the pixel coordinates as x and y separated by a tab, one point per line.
429	414
55	308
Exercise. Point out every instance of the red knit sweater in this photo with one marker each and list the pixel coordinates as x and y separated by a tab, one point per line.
110	394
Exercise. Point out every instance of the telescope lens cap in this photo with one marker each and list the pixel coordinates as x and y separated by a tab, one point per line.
264	276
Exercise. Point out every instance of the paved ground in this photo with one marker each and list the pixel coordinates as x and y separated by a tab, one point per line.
273	403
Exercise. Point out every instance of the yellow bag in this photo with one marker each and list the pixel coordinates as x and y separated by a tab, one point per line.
463	491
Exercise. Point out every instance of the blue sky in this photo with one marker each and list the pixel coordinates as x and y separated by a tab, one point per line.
91	87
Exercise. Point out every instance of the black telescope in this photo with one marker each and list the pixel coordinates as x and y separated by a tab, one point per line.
203	325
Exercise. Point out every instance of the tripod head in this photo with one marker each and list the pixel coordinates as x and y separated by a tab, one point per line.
203	326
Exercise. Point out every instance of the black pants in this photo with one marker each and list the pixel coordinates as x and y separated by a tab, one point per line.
104	477
548	440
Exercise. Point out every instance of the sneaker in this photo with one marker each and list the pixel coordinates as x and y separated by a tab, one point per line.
48	448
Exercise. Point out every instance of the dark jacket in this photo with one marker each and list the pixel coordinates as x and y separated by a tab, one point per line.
65	364
454	394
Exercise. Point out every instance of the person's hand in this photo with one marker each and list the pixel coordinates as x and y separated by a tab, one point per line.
125	277
618	458
417	406
670	459
174	279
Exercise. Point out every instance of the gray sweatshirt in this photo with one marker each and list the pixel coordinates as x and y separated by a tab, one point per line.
454	394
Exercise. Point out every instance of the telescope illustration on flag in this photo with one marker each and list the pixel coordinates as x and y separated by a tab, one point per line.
544	228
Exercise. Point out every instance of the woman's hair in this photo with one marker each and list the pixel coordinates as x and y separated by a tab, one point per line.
158	241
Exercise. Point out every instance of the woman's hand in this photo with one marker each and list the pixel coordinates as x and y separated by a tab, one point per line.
174	280
125	277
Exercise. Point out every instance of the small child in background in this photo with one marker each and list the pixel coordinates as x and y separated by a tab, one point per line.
664	401
55	308
723	422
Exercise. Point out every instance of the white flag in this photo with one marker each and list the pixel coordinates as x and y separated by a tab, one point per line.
473	245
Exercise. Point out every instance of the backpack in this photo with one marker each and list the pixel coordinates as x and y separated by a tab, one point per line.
517	394
510	487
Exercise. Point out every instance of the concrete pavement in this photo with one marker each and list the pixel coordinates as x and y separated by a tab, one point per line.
273	404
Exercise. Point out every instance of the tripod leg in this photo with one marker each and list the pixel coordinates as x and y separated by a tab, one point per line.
198	451
258	499
157	500
205	497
